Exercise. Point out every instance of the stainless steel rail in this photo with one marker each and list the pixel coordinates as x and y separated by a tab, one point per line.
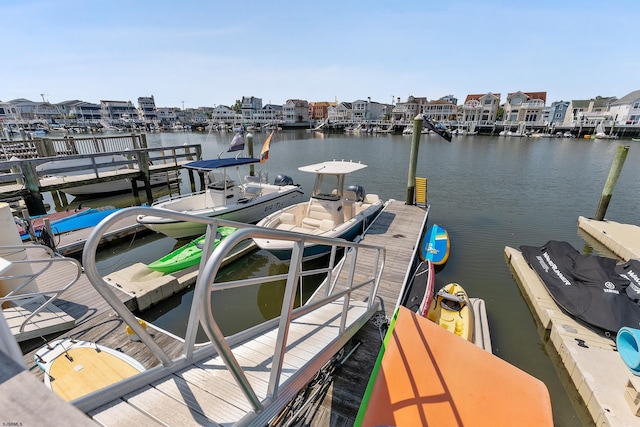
44	264
202	315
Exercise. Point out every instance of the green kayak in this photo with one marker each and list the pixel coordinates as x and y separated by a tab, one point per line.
189	254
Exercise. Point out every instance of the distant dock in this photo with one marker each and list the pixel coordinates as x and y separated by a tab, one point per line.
19	177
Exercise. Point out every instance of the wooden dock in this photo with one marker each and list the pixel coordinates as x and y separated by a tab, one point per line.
608	391
20	178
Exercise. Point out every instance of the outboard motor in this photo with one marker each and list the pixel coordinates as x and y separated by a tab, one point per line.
283	180
359	190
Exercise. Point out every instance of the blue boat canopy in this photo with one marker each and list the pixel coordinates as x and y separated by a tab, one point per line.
220	163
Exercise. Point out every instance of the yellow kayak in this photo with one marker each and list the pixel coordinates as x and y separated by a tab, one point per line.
451	309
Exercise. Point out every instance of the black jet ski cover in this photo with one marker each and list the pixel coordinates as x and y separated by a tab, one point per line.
587	286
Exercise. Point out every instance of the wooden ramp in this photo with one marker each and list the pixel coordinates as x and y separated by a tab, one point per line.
205	393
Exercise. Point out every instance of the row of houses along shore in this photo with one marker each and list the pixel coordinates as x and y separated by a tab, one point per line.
519	109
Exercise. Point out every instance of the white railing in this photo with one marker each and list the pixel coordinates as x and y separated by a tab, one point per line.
42	266
206	285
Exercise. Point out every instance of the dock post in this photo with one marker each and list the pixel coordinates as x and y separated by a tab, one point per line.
413	159
612	179
33	199
250	150
143	164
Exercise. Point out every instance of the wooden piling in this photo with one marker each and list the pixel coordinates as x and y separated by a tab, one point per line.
33	199
413	159
143	165
612	179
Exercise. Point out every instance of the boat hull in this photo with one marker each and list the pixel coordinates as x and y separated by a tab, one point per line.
114	187
347	231
103	163
76	368
452	315
248	212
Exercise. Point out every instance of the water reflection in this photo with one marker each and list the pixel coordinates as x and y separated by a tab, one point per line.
237	309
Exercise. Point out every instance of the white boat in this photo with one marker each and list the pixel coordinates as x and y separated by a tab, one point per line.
247	202
102	164
601	134
331	212
76	368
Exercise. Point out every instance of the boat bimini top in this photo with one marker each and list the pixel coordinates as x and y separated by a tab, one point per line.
330	178
334	167
208	165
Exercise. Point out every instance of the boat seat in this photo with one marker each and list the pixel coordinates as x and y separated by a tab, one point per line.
220	185
369	200
319	224
252	192
349	200
287	221
252	178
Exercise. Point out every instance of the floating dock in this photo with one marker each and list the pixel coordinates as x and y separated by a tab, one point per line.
608	389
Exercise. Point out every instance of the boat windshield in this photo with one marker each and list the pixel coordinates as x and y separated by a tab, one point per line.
328	187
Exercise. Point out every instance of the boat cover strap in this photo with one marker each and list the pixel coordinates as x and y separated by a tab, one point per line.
450	297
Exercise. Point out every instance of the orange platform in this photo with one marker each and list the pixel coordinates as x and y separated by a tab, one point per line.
425	375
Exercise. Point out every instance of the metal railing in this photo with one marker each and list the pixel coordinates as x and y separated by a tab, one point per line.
201	310
44	265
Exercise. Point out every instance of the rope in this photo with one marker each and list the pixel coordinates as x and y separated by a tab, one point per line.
119	259
382	322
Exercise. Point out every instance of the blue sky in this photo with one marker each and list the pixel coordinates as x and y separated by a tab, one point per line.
206	53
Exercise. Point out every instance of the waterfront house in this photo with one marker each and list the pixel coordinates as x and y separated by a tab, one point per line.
30	111
224	114
249	107
319	110
81	112
405	112
8	112
147	109
440	110
296	111
340	113
481	108
524	107
626	110
365	110
196	117
270	113
558	112
167	116
118	112
588	112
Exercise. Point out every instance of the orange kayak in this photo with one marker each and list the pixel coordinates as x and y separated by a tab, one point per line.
425	375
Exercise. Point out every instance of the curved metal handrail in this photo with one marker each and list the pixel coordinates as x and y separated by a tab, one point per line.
47	263
201	313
